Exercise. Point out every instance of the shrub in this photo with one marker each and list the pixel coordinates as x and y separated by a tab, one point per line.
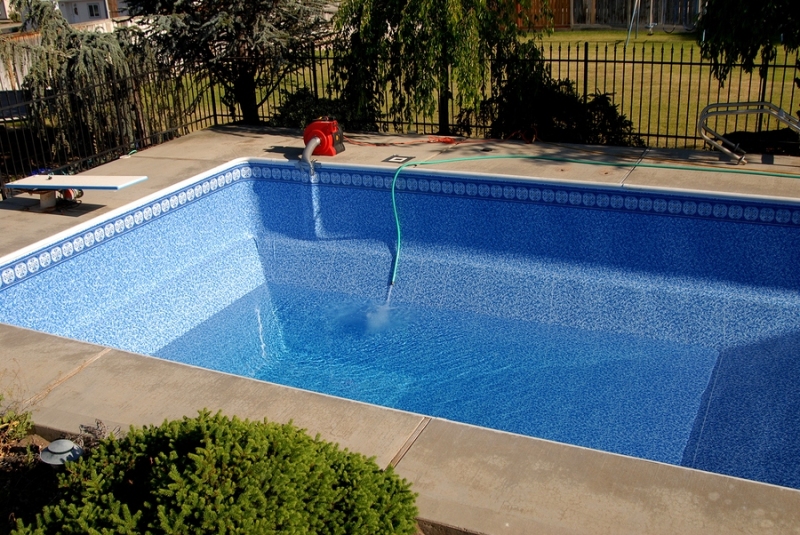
299	108
14	426
529	103
211	474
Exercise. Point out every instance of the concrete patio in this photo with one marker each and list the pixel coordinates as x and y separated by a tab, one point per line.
469	479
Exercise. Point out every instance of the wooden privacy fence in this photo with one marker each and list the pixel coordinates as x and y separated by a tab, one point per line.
668	15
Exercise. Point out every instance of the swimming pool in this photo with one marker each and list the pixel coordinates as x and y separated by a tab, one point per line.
652	324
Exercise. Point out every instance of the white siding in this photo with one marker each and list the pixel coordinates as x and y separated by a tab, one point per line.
77	11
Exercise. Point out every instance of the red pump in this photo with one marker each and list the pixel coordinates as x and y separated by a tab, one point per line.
331	138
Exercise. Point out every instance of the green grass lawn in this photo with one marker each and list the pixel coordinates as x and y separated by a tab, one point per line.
612	36
660	81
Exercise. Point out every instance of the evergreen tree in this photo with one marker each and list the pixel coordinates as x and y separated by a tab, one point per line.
212	474
246	46
82	86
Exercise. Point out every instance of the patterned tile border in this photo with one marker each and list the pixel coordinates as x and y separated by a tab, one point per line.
460	185
562	194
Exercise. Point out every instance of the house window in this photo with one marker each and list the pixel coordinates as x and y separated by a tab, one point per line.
94	10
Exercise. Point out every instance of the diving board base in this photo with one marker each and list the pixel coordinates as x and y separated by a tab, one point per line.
47	198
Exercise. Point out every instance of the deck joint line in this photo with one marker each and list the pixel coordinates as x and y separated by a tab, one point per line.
410	441
55	384
633	168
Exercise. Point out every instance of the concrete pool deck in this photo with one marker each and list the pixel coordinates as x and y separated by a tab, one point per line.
474	479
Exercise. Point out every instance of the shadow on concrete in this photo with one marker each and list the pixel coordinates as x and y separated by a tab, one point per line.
29	204
290	153
748	424
18	203
245	130
251	131
625	155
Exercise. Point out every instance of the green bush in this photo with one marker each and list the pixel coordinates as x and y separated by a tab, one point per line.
529	103
14	425
299	108
211	474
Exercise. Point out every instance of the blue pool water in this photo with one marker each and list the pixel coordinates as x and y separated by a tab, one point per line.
617	392
649	324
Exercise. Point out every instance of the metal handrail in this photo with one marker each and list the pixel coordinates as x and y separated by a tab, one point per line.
739	108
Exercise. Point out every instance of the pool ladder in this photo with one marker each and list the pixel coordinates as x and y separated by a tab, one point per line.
720	109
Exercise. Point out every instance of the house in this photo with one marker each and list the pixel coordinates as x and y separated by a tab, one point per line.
78	11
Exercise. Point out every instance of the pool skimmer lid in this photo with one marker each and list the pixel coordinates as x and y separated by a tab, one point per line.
398	159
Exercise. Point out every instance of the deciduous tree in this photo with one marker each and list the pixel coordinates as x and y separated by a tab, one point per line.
732	31
246	46
417	47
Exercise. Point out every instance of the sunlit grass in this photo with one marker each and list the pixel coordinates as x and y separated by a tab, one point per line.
661	82
619	36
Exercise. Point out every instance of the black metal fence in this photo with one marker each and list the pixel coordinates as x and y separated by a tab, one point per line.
68	132
661	89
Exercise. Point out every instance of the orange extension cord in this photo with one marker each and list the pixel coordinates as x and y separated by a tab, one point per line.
440	139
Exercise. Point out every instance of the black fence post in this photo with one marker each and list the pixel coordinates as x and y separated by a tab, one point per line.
762	93
314	71
214	103
585	71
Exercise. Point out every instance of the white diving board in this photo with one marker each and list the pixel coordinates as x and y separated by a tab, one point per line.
75	181
46	186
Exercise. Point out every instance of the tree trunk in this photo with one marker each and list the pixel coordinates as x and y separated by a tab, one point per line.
444	102
244	91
